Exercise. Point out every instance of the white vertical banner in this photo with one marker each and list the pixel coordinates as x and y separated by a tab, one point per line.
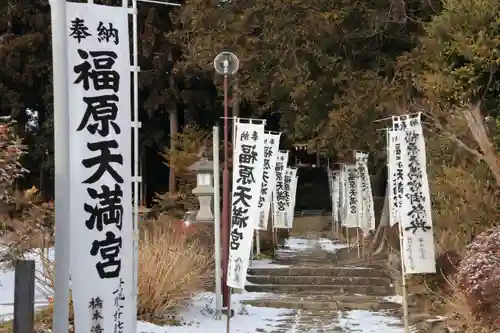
351	217
335	196
330	181
290	175
342	195
279	195
329	174
271	147
368	213
362	216
248	167
293	191
418	238
101	183
395	174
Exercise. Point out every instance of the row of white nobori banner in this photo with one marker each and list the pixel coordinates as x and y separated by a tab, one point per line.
351	194
409	196
262	182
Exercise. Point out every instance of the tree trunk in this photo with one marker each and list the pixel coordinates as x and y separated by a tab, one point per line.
476	125
174	130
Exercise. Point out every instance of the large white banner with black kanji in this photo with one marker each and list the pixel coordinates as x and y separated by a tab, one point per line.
352	197
367	214
100	168
335	176
293	201
416	219
289	179
248	166
343	195
280	195
271	147
395	174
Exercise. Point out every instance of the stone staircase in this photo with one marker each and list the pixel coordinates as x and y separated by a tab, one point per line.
322	280
317	279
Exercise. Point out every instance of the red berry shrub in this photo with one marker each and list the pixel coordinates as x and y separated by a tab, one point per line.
11	150
478	276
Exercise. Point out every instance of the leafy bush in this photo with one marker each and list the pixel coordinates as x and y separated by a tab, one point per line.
11	151
478	276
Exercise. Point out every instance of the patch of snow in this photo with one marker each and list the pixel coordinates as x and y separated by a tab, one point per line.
329	245
369	322
7	278
394	298
266	263
200	317
301	244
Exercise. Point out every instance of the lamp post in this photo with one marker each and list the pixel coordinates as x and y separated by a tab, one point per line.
207	185
225	63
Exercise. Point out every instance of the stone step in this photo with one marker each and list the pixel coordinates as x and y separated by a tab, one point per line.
322	279
320	288
319	271
332	305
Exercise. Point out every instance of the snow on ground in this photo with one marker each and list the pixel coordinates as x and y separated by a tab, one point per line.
248	319
266	263
369	322
199	317
7	277
394	298
301	244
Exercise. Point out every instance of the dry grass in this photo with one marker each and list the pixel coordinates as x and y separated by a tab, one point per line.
172	267
464	205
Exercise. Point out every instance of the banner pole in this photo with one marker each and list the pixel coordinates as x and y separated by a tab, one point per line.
60	322
257	241
358	241
348	240
403	283
217	223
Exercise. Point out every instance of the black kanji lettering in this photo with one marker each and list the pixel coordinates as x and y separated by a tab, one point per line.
241	196
245	174
107	210
78	29
109	249
268	152
119	326
239	217
102	74
96	329
107	34
244	136
103	110
248	154
95	303
418	224
103	161
96	315
118	314
236	237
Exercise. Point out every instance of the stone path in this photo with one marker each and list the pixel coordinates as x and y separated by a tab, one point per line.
323	293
